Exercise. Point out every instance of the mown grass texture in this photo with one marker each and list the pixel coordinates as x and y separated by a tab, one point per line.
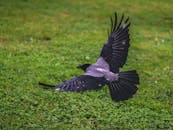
46	40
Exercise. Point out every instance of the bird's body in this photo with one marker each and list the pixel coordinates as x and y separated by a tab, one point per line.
101	69
105	71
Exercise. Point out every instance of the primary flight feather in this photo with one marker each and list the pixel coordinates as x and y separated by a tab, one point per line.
122	85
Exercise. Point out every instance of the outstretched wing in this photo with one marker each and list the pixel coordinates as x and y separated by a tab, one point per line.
82	83
116	48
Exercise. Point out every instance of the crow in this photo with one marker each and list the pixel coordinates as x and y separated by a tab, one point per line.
122	85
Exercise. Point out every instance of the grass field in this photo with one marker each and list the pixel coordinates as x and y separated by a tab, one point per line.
45	40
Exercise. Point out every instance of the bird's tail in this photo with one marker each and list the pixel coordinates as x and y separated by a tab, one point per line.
46	86
125	87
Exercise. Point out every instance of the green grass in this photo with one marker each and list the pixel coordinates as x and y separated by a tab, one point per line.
44	40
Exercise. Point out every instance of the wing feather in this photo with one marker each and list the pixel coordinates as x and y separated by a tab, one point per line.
82	83
115	50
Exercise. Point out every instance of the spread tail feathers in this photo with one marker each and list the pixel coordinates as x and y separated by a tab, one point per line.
125	87
47	86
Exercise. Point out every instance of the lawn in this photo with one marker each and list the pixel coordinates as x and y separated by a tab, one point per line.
43	40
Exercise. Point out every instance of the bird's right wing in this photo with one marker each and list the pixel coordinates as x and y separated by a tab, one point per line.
82	83
116	48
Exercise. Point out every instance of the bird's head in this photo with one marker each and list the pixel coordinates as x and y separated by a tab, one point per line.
83	67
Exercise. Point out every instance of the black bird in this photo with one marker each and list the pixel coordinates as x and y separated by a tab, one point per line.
122	85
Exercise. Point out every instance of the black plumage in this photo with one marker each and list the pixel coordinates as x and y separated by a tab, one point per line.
116	48
122	85
82	83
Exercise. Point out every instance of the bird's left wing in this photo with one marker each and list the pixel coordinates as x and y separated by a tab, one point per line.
82	83
116	48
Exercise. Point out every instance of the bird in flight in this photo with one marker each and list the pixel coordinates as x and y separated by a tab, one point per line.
105	71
